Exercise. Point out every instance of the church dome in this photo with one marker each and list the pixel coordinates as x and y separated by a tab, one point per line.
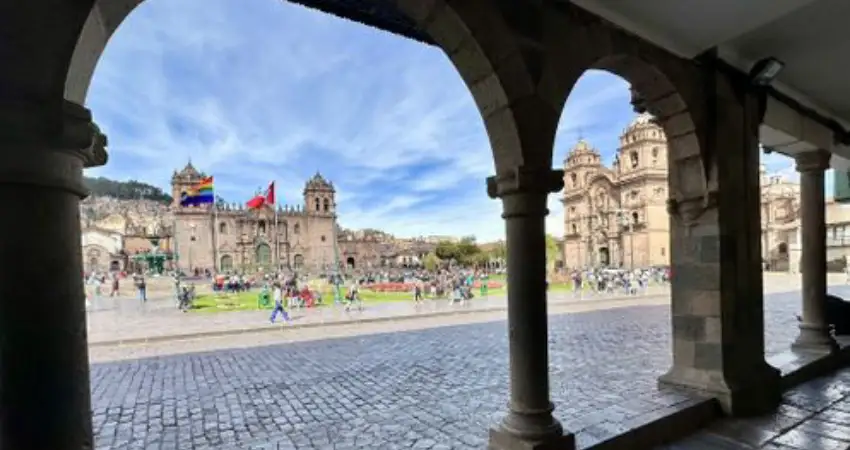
642	120
318	183
583	153
188	173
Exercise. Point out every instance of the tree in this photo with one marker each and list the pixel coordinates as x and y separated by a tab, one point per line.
553	251
431	262
446	250
126	190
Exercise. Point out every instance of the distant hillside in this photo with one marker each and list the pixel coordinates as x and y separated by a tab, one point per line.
126	190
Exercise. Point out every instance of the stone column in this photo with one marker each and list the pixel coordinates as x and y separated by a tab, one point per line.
44	367
814	329
529	424
715	231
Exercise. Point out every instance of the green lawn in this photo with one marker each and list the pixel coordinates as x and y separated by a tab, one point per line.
247	301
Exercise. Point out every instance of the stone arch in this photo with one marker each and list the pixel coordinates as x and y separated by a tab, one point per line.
480	38
350	262
226	263
298	262
662	83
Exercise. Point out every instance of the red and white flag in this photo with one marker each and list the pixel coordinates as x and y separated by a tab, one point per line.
270	198
260	200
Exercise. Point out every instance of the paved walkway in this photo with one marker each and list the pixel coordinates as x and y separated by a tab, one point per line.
813	416
127	320
124	319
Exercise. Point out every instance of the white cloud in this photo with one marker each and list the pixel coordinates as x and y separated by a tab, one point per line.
260	91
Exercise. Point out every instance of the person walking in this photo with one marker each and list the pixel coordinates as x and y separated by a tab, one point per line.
141	286
277	293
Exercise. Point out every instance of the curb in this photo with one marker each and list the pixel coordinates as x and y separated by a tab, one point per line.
613	301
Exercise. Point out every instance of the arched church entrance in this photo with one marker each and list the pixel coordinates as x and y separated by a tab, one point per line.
226	262
604	256
263	255
350	262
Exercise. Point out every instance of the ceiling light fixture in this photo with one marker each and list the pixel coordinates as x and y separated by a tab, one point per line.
765	71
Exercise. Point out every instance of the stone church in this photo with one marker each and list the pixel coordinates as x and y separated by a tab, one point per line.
229	236
617	216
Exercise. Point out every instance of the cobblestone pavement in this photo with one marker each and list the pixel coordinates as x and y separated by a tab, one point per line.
439	388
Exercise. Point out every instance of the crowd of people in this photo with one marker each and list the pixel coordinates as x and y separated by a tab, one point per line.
290	290
600	280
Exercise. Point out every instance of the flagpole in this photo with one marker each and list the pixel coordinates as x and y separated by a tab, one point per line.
276	238
215	234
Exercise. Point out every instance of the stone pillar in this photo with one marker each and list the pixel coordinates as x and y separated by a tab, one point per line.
44	367
814	329
715	231
529	424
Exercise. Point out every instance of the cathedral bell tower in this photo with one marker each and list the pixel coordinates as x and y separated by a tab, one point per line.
182	181
319	196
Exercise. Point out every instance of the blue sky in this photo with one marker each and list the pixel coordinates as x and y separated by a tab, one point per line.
264	90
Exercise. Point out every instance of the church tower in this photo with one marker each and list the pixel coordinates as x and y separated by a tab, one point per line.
182	181
319	196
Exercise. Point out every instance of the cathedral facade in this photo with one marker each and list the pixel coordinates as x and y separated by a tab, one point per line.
616	216
225	237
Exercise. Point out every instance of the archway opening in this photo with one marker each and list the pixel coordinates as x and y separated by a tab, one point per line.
615	228
350	262
263	255
226	263
385	129
604	257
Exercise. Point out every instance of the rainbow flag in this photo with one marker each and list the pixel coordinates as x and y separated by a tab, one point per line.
199	194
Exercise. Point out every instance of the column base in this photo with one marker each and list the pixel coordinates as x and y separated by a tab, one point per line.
531	430
757	394
501	439
815	338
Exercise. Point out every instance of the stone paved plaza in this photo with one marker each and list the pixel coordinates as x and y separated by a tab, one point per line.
439	388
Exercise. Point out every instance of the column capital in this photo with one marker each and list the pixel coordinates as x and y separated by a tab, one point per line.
812	161
525	180
48	144
49	125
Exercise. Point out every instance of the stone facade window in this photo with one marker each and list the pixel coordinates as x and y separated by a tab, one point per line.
318	206
327	205
222	228
634	158
261	226
323	238
296	229
573	179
